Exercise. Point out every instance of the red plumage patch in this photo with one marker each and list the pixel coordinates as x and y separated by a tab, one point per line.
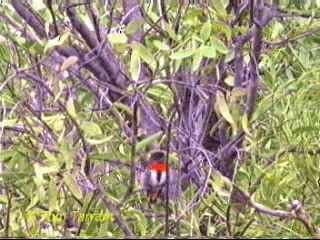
159	167
154	196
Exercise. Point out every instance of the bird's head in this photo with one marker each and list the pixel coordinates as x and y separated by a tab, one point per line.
159	166
158	173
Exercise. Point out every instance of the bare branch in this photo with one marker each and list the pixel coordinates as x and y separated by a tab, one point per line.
30	18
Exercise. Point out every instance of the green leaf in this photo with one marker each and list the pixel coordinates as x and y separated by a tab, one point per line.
196	61
161	92
67	153
219	27
144	54
52	161
102	156
133	26
135	65
183	54
38	5
37	48
72	185
68	62
239	92
205	31
223	108
177	64
4	155
193	15
277	29
170	32
142	223
52	195
117	38
5	52
41	170
219	7
219	45
91	129
57	41
148	141
208	52
99	141
161	45
71	108
123	107
8	123
307	129
245	124
229	81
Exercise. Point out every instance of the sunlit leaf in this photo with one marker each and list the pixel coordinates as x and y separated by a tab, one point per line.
219	45
229	80
123	107
91	129
72	185
71	108
133	27
8	123
161	45
52	195
135	65
57	41
148	141
208	52
245	124
205	31
117	38
170	32
99	141
182	54
145	54
223	107
197	58
68	62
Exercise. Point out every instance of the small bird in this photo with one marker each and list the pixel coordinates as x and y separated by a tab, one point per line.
153	179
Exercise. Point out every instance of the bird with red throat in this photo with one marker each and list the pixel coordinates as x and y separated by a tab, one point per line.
154	177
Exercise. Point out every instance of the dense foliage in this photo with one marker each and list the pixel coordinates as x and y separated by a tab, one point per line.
229	90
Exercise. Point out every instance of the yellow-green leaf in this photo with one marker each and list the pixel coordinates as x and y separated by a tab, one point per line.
219	45
8	123
135	66
123	107
52	194
208	52
223	108
144	54
99	141
239	92
117	38
244	123
91	129
205	31
196	61
68	62
71	108
170	32
57	41
183	54
229	80
161	45
52	161
133	26
72	185
148	141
